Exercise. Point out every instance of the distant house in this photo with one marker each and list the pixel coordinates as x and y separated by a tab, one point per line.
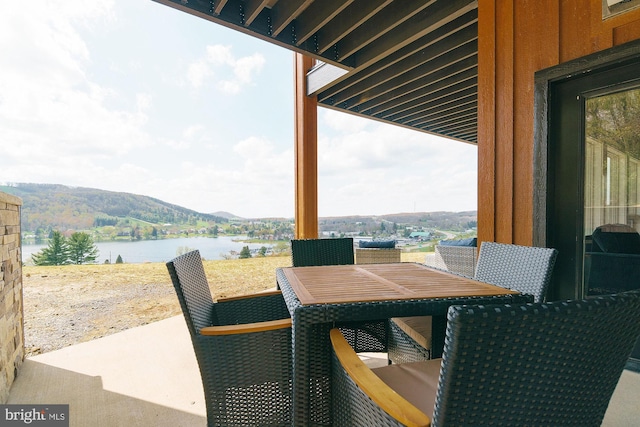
420	235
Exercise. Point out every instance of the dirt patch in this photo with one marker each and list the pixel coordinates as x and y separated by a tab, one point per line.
66	305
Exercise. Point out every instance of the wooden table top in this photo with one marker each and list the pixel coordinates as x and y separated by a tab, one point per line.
333	284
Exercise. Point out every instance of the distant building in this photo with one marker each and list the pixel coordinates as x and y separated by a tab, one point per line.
420	235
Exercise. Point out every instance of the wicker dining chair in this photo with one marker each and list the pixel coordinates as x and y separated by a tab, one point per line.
522	268
315	252
543	364
456	259
370	336
243	348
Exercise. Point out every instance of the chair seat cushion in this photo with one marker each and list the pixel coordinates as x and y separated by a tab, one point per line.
417	327
473	242
417	382
377	244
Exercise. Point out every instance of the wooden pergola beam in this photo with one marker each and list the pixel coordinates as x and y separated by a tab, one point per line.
306	153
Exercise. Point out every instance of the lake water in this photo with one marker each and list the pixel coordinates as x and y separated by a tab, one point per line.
160	250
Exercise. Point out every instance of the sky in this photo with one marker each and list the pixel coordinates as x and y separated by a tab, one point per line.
134	96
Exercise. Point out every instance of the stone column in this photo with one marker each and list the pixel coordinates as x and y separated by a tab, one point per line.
11	308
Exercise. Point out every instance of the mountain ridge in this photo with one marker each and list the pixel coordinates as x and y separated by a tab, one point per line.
56	206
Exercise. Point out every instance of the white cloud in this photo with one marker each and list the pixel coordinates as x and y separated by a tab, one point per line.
193	136
193	131
341	122
49	103
366	167
219	55
143	101
220	68
198	72
253	147
256	179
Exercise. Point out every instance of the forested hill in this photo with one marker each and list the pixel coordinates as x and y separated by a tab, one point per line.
48	206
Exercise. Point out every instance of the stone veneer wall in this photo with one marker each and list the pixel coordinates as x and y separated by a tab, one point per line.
11	314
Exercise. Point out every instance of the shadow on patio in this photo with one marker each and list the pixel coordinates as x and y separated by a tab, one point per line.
148	376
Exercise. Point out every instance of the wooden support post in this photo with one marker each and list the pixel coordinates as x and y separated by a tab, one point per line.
306	153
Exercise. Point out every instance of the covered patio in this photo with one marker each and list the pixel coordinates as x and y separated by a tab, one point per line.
462	69
148	376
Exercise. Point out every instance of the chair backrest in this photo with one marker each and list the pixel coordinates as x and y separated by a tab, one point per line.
522	268
192	288
456	259
312	252
552	364
616	238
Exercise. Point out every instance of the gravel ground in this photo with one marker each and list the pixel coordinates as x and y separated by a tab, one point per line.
58	315
67	305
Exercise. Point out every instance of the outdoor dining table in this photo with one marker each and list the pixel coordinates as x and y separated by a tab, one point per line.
320	297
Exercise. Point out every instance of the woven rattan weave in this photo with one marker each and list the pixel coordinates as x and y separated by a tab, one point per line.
312	322
525	269
456	259
246	376
313	252
365	336
377	255
543	364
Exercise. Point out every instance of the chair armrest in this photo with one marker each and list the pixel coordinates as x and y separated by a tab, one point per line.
246	296
246	328
370	384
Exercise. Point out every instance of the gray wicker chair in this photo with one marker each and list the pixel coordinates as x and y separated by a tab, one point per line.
522	268
543	364
456	259
243	348
364	336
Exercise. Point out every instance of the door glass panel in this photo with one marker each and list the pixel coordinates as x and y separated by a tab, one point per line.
612	192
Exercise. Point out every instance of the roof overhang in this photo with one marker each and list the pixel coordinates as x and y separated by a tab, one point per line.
412	63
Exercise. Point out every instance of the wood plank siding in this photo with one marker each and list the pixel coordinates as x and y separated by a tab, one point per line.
516	38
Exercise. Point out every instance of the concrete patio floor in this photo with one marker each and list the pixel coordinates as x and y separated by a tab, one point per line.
148	376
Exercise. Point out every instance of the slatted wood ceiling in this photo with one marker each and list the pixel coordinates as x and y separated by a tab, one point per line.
412	63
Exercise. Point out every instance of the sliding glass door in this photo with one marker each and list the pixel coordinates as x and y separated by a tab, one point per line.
589	165
593	179
611	192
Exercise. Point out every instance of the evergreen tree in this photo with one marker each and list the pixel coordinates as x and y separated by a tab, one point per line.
56	253
245	253
119	260
183	250
82	250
